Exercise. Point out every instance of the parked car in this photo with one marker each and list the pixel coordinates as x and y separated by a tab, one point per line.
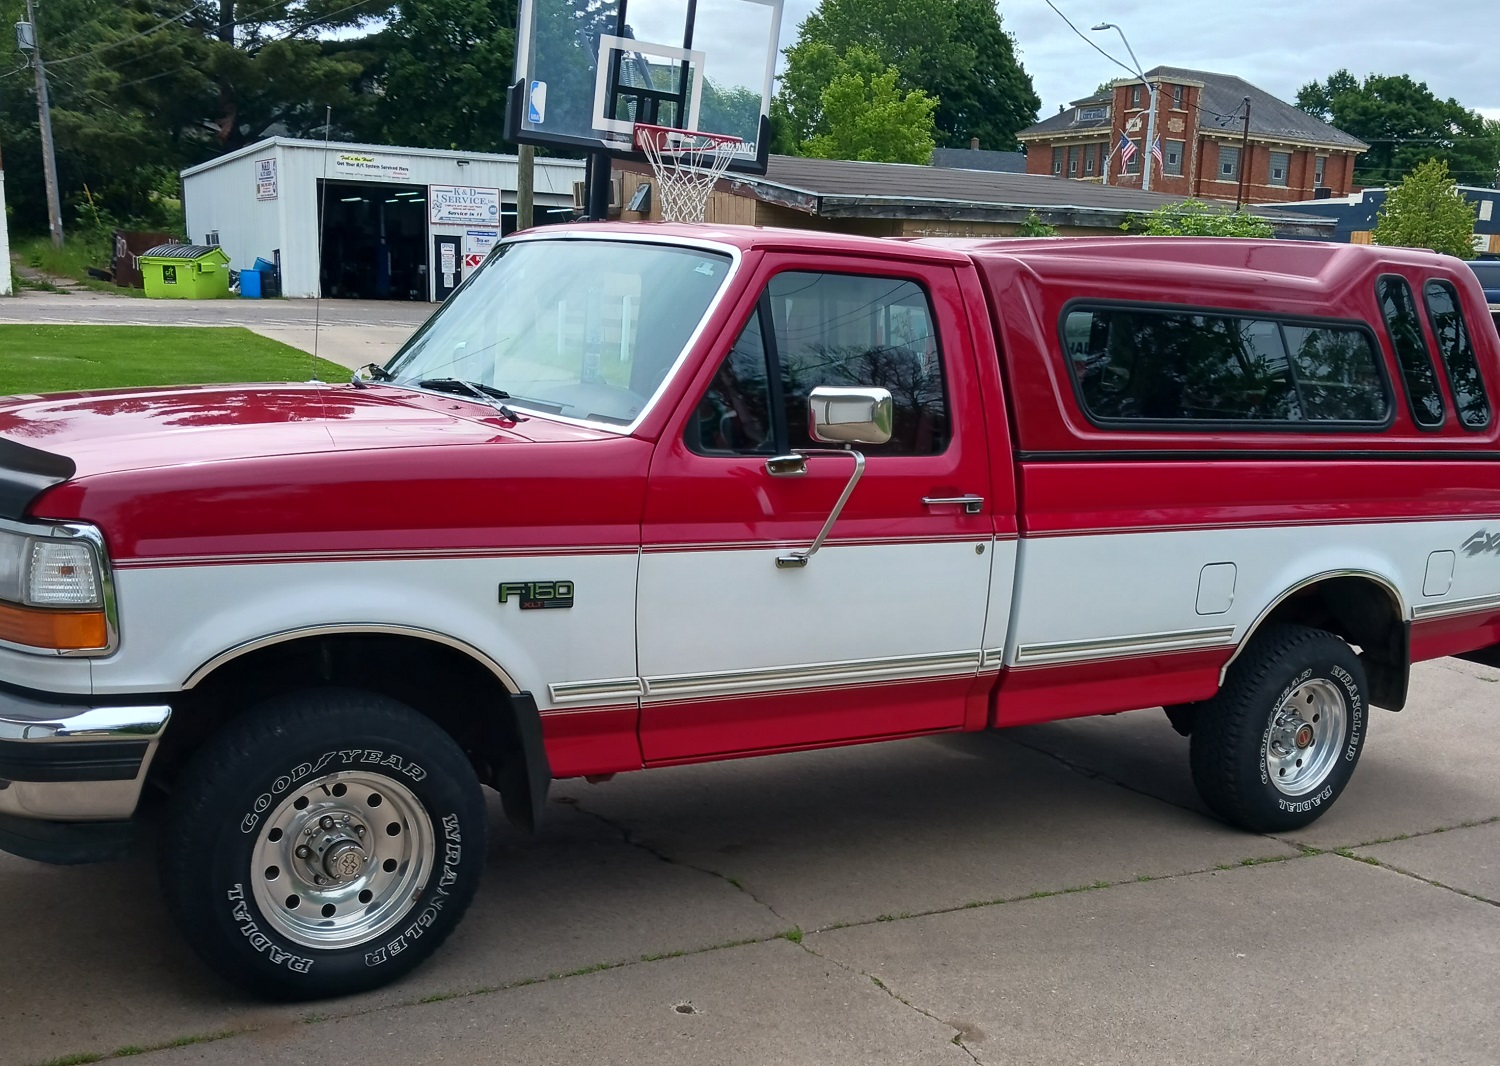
644	495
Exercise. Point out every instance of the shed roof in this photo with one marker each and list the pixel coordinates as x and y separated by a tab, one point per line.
846	188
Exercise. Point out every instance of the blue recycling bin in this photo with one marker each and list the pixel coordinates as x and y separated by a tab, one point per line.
250	284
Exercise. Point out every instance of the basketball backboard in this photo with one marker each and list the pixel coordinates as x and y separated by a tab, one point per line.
588	70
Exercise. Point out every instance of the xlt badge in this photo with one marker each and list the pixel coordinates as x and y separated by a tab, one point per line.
537	595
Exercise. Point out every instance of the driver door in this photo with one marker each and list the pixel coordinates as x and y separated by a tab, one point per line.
880	633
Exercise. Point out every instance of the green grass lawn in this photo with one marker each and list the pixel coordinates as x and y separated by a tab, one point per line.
65	358
72	260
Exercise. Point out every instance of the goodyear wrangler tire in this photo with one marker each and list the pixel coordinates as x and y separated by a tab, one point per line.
1275	748
323	843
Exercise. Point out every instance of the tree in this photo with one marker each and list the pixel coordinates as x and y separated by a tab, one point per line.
1427	211
1404	123
1194	218
444	71
869	118
954	50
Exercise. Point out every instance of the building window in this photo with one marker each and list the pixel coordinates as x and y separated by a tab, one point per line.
1180	368
1057	157
1133	164
1073	161
1173	152
1092	114
1281	162
1229	163
1177	94
1318	170
1090	153
1135	96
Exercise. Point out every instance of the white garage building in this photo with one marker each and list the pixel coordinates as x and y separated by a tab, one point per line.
399	223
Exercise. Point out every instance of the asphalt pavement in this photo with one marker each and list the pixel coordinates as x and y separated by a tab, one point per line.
1053	894
349	332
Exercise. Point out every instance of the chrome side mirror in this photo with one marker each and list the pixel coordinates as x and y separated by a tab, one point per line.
842	415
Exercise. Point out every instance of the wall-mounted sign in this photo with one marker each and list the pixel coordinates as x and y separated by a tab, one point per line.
479	242
462	205
371	167
265	179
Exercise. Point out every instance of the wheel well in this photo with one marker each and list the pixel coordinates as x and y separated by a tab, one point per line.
455	690
1367	614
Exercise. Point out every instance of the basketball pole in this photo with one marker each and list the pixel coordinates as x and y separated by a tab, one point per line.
596	179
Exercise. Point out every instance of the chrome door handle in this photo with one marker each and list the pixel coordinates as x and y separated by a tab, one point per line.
970	503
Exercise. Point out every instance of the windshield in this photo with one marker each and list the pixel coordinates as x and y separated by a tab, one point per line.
581	328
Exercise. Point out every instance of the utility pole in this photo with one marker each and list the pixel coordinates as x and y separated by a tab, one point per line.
525	185
1150	145
5	282
44	119
1239	197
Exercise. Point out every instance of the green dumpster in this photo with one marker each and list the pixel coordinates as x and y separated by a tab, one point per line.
185	272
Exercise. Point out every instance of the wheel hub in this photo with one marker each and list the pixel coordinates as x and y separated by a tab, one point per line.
342	858
1307	730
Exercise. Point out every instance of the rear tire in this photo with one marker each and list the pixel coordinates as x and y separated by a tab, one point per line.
323	843
1278	743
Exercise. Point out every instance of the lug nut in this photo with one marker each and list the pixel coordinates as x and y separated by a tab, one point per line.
318	880
303	851
359	830
326	822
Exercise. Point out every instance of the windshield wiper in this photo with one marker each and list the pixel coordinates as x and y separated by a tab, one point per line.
370	372
479	390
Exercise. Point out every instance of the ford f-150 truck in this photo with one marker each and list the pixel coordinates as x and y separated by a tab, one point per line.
641	495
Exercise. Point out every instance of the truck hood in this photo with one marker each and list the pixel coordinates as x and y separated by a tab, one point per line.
45	440
104	432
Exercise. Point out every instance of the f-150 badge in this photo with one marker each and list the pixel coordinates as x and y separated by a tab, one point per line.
537	595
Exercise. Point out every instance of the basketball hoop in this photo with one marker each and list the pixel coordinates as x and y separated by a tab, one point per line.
686	164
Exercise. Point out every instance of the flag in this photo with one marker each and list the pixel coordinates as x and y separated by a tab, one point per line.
1126	149
1156	152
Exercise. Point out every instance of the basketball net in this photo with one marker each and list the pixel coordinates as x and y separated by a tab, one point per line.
686	165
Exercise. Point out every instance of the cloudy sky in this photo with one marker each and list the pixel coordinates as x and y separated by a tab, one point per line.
1279	45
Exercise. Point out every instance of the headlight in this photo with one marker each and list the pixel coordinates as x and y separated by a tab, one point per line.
52	593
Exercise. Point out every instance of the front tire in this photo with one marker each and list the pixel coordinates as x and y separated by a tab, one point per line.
323	843
1279	742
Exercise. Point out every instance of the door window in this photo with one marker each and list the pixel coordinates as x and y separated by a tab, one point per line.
1452	334
827	329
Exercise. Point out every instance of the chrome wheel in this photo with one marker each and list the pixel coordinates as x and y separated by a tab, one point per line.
1306	732
342	859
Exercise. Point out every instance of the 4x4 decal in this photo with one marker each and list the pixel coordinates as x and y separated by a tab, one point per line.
1481	542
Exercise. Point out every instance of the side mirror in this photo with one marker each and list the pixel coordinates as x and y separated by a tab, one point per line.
838	415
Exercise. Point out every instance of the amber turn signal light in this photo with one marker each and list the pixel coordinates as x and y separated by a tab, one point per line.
53	629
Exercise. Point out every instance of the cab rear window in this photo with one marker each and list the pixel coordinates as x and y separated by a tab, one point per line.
1186	369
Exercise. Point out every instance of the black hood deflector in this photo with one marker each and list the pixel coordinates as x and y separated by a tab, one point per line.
26	473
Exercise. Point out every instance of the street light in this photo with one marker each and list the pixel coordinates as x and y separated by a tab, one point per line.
1150	100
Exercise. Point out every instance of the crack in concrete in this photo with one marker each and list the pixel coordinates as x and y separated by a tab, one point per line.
1311	850
958	1034
630	839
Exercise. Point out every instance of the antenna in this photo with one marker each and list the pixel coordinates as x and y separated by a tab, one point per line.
322	225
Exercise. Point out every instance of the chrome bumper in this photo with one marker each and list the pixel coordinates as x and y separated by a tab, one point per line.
74	764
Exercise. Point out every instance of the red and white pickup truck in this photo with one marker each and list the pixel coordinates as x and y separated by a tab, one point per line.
640	495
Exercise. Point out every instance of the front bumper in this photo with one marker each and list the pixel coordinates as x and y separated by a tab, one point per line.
61	763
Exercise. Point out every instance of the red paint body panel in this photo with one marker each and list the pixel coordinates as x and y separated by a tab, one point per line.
595	741
302	469
1452	636
743	725
1044	693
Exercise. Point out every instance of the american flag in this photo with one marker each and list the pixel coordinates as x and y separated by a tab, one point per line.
1126	149
1156	151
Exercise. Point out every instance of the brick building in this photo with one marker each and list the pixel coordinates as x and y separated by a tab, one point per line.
1200	124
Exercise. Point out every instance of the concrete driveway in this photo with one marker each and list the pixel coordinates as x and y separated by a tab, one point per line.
1054	894
349	332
